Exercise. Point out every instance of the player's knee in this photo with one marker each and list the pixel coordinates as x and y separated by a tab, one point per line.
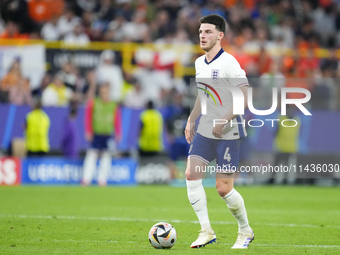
223	189
188	175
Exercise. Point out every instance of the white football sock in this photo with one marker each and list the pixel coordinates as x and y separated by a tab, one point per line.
198	200
104	167
90	163
236	206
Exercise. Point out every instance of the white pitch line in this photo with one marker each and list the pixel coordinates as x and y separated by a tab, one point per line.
227	244
61	217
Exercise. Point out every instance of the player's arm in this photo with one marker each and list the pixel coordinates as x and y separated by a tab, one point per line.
217	130
190	127
229	115
88	120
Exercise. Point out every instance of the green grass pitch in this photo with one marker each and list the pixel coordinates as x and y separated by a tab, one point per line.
116	220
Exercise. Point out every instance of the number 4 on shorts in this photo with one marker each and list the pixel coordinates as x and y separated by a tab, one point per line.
227	155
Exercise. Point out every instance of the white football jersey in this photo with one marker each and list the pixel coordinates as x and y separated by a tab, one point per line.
212	81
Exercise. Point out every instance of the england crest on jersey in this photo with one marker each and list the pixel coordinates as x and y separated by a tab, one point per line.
215	74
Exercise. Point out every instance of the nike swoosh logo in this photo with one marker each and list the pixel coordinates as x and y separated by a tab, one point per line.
197	74
195	202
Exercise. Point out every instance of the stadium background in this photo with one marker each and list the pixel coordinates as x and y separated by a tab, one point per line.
155	43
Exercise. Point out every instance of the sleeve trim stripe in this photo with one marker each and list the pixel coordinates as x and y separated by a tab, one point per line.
242	84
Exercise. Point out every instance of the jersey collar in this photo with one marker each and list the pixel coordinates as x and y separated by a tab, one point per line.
216	56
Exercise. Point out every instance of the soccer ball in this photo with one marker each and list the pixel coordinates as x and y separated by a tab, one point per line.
162	235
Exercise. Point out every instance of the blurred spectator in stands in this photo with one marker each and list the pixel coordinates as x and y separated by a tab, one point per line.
213	7
88	18
12	79
35	34
151	134
172	8
77	36
307	37
80	83
97	30
87	5
182	40
46	80
17	11
135	30
90	86
56	93
142	5
50	30
249	4
128	85
307	64
69	140
324	23
105	12
144	55
135	98
12	32
115	32
187	19
244	59
108	71
123	7
152	81
165	56
272	79
68	76
102	120
263	60
163	63
277	48
284	29
2	25
261	42
20	94
331	63
67	22
37	127
160	25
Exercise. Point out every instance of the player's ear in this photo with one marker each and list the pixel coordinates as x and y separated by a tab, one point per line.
220	36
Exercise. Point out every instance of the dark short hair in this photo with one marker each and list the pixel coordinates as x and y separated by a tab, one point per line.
149	105
216	20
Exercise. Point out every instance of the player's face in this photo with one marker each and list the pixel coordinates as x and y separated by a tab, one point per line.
209	36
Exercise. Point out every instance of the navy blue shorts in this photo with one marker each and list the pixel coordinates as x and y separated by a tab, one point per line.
226	152
100	142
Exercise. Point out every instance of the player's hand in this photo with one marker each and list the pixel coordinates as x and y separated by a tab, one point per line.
189	131
89	137
217	130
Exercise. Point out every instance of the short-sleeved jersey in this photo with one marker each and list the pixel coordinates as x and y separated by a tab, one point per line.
213	80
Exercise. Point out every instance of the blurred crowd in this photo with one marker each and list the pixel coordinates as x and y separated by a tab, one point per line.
270	38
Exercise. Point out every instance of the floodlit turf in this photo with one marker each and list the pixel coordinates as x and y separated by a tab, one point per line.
116	220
